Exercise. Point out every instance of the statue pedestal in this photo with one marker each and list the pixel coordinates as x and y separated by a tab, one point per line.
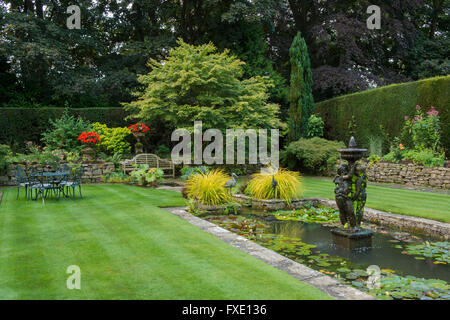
352	240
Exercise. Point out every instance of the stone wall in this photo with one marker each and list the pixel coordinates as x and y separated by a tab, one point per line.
92	173
410	175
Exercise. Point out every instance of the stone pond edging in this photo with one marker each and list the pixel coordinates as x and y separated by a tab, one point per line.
409	175
275	204
407	223
92	173
331	286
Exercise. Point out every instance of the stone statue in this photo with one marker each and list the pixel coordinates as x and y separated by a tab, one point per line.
343	192
350	191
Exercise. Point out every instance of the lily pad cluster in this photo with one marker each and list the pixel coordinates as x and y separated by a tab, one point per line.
392	286
438	251
313	215
411	288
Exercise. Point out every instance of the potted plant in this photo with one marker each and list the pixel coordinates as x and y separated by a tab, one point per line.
139	130
89	140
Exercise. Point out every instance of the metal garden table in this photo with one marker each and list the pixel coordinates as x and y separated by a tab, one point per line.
49	181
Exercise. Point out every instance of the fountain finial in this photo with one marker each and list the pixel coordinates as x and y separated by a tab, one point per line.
352	143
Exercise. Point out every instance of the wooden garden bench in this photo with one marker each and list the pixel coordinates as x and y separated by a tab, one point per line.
152	160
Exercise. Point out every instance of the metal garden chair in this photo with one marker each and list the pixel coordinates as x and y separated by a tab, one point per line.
22	180
75	182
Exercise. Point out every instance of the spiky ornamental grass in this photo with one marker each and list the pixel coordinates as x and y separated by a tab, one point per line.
288	185
209	188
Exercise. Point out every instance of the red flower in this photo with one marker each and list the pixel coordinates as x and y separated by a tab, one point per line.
139	128
89	137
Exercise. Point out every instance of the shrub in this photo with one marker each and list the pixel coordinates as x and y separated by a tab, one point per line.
288	185
376	146
208	188
425	157
144	175
315	156
315	127
162	151
187	172
113	140
425	130
19	125
116	177
64	132
4	152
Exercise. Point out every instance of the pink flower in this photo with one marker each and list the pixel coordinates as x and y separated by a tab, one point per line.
406	118
417	107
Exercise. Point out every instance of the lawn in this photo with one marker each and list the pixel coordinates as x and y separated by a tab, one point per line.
428	205
408	202
126	248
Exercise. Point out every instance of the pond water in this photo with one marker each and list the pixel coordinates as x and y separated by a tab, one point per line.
382	252
406	273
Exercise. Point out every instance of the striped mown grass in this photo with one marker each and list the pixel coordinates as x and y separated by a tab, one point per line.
127	248
428	205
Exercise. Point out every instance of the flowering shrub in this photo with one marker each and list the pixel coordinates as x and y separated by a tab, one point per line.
139	128
425	130
89	138
420	141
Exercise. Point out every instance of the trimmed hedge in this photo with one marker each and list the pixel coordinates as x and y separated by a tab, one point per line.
386	106
19	125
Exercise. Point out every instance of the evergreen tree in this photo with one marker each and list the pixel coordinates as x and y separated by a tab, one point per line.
300	95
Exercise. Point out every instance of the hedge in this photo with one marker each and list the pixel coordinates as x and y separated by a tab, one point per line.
19	125
386	106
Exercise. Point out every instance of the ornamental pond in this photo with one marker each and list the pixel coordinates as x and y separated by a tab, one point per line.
413	266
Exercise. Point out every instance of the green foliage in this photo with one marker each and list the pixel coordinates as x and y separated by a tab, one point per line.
21	125
425	131
375	146
199	83
63	132
116	177
162	151
374	159
144	175
386	107
208	188
115	158
288	185
314	156
300	96
421	140
429	58
313	215
315	127
425	157
187	172
113	140
438	251
5	151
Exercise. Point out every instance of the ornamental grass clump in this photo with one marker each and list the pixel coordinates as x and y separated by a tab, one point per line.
287	185
208	188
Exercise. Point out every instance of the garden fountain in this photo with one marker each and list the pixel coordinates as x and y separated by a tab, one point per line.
350	193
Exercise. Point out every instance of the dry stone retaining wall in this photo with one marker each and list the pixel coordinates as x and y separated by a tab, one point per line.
92	173
410	175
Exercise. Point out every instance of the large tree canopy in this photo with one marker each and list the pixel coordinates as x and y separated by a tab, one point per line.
198	83
44	63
